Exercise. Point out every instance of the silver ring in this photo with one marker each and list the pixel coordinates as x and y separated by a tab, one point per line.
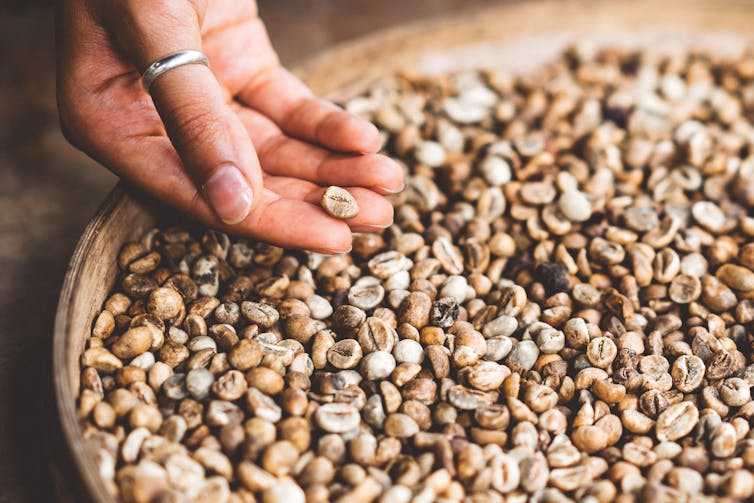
169	62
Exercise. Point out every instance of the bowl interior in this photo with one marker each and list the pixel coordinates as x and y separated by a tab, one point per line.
514	37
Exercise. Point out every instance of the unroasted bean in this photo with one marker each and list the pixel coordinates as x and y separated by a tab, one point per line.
500	326
636	422
265	380
198	383
444	312
376	335
468	399
608	392
339	203
709	215
590	438
415	309
512	300
388	264
230	386
575	206
735	392
133	343
344	354
559	310
601	352
103	325
262	406
685	289
319	307
246	354
262	314
486	376
101	359
366	296
506	474
337	417
279	458
538	193
534	473
400	425
450	256
688	373
523	356
676	421
377	365
165	303
347	318
430	153
739	484
409	351
736	277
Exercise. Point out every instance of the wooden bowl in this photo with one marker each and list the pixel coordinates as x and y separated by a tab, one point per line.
512	36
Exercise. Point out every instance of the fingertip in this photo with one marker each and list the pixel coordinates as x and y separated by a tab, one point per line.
374	210
294	223
332	251
389	175
368	228
257	189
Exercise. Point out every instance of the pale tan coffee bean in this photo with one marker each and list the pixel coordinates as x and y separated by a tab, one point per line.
133	343
339	203
337	417
688	373
736	277
685	289
676	421
553	315
400	425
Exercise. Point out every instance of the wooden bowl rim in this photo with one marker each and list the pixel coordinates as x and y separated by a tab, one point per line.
86	468
315	72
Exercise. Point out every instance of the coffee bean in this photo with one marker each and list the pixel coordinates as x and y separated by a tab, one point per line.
339	203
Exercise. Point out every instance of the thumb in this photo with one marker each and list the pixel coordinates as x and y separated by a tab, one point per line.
210	139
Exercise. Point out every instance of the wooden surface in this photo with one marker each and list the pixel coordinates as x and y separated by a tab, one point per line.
49	191
494	37
121	218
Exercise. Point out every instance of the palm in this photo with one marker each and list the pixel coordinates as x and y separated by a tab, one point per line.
291	136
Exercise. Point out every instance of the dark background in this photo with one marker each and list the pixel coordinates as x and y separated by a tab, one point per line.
48	192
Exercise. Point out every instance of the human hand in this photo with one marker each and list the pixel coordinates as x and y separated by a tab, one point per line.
243	146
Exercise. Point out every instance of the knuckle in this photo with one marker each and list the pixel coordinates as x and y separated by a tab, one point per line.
70	135
196	125
71	127
270	147
297	111
330	120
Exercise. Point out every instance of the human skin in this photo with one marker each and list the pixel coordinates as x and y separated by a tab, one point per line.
242	146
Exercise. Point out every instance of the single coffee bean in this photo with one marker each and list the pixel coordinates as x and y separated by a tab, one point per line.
339	203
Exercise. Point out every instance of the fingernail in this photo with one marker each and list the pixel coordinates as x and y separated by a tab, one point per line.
229	194
329	251
368	228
